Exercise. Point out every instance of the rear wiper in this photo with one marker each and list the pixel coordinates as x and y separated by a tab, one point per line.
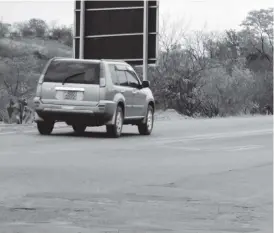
71	76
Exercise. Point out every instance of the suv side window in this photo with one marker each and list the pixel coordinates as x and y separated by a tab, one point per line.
132	79
114	76
122	77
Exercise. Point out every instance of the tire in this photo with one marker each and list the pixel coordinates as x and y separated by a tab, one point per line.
146	128
78	128
115	130
45	127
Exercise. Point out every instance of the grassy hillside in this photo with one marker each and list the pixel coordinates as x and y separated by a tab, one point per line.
26	46
21	62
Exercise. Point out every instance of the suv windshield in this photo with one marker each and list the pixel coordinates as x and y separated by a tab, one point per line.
72	72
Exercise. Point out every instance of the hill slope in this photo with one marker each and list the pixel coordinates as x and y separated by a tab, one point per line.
27	46
21	62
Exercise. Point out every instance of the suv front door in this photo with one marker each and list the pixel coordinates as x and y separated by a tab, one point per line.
139	97
125	90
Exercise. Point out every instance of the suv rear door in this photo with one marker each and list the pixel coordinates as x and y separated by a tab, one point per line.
71	82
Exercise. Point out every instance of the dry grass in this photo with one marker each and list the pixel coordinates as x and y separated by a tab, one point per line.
26	46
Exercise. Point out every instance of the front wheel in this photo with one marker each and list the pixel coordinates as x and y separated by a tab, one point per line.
45	127
146	128
115	130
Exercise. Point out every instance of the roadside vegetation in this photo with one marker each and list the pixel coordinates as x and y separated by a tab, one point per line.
199	74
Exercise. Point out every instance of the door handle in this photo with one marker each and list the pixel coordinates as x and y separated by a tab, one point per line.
135	91
122	91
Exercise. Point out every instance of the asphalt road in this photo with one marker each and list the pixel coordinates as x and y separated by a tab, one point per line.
201	176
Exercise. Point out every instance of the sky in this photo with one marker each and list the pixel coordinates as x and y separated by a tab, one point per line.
209	15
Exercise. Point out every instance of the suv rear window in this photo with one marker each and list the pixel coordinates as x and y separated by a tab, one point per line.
73	72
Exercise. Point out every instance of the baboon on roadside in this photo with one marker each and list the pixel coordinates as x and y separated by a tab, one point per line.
268	109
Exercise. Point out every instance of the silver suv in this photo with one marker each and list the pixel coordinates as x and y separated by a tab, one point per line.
93	93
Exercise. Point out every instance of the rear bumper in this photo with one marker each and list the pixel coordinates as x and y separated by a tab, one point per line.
100	113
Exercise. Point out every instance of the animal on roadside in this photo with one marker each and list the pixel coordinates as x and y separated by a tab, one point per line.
268	110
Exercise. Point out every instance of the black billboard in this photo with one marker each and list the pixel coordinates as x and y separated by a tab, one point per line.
115	30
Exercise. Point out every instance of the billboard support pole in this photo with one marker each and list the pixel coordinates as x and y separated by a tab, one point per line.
82	30
74	30
145	41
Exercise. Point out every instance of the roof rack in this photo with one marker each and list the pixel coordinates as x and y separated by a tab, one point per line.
107	60
114	60
71	58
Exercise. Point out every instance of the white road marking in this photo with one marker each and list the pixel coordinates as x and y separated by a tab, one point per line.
181	148
231	148
241	148
6	133
42	151
214	136
53	150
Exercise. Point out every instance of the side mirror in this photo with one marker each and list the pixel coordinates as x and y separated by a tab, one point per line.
145	84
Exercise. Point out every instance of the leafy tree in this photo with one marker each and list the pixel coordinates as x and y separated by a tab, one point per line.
34	27
212	74
38	27
4	29
24	29
258	33
62	34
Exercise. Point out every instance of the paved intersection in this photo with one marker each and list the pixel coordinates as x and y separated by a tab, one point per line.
189	176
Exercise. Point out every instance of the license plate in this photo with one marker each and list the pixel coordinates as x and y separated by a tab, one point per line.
70	95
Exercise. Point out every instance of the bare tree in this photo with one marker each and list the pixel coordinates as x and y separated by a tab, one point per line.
172	33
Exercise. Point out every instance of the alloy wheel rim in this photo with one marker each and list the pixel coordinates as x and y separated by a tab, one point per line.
119	122
149	120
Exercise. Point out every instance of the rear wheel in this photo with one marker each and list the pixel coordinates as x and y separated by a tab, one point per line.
45	127
146	128
115	130
78	128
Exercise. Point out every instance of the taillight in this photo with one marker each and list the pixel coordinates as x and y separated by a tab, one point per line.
39	90
102	76
39	86
41	79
